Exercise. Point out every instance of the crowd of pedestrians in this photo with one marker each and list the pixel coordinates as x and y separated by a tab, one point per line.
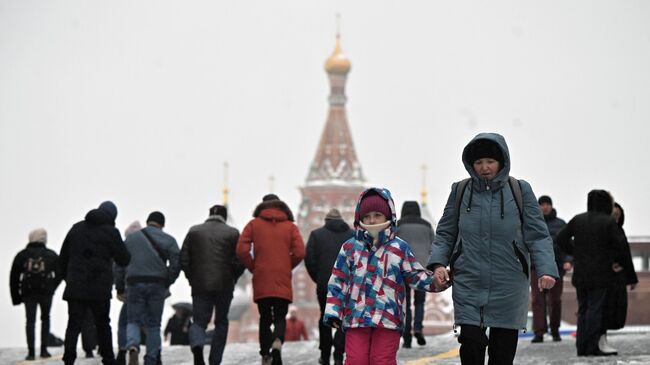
496	244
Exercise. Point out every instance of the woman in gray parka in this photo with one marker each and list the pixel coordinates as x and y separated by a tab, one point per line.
488	247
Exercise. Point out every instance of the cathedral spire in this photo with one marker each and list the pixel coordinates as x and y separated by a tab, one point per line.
336	160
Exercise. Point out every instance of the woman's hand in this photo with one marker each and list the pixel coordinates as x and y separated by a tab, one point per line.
545	282
441	276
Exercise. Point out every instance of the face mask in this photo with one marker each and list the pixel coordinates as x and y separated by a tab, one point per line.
374	229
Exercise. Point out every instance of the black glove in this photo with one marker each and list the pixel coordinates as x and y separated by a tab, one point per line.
334	322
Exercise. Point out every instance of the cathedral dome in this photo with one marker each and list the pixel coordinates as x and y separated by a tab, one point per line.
337	63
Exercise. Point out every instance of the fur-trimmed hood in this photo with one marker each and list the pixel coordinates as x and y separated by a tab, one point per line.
265	210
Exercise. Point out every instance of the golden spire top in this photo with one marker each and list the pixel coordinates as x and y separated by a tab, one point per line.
225	184
423	193
337	63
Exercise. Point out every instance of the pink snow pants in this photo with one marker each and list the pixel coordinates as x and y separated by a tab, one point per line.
371	346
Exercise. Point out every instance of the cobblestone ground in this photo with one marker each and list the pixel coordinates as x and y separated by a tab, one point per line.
634	348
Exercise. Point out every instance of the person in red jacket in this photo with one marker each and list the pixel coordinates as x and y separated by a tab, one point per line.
296	330
276	249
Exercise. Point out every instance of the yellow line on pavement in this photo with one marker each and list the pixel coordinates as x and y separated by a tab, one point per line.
428	360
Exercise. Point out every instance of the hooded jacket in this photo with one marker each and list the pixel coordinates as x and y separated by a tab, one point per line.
415	230
597	243
87	254
208	256
489	250
19	292
277	249
367	285
323	247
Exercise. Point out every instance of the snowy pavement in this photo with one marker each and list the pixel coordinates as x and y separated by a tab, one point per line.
634	347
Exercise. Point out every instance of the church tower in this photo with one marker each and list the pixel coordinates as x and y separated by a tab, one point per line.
335	179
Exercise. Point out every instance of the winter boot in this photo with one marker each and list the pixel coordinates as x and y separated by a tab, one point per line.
276	352
31	355
421	340
267	360
538	339
133	356
44	353
604	346
407	340
556	336
120	359
197	351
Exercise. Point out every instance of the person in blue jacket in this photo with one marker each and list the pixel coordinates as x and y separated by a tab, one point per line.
488	247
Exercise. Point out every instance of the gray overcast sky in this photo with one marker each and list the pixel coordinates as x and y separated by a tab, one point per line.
141	102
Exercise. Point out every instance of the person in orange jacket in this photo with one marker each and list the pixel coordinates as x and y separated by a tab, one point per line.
270	246
295	330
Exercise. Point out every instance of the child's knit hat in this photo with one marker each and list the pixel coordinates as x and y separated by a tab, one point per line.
373	202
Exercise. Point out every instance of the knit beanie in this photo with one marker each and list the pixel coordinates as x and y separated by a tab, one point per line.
545	199
109	208
374	203
156	217
219	210
38	235
333	214
268	197
484	148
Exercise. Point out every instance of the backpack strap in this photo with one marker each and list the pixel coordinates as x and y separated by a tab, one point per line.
515	187
460	191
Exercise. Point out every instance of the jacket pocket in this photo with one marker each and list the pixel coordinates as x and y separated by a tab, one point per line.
521	258
455	256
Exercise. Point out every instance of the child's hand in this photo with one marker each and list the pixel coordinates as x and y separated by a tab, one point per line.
441	277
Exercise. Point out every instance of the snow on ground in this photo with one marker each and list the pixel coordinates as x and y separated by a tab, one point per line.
633	345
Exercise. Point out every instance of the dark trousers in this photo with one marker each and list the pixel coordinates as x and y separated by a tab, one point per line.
45	302
272	312
203	305
325	339
88	333
553	303
590	319
76	315
418	301
502	345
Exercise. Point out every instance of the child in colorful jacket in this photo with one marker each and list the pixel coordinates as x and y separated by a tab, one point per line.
366	292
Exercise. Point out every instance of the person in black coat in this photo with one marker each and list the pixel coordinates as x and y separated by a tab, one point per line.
419	235
615	309
597	241
211	266
322	249
549	301
86	265
33	280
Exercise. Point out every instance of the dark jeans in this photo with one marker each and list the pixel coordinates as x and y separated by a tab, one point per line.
502	345
45	302
145	302
553	303
590	319
272	312
203	305
325	335
121	328
418	300
76	315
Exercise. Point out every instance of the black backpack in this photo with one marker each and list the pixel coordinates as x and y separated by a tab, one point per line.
35	274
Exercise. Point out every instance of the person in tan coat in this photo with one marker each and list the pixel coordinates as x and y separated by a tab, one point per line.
270	246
